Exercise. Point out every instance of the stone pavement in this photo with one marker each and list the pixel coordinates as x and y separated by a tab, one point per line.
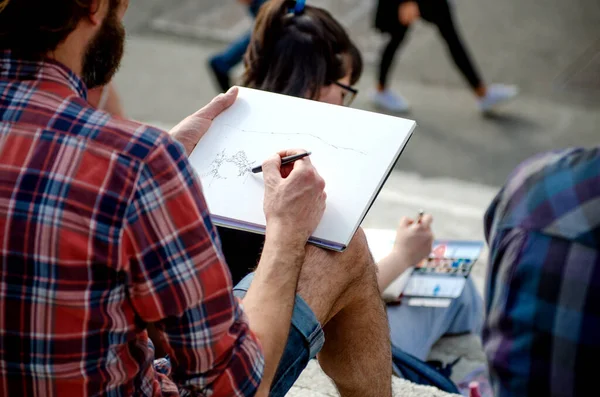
550	48
165	80
544	47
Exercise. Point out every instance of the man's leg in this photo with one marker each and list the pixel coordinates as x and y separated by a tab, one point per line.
338	290
415	329
342	291
305	339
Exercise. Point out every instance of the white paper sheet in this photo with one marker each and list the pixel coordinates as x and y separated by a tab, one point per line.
381	242
353	150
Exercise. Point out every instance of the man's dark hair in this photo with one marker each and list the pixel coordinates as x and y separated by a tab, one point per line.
32	28
298	54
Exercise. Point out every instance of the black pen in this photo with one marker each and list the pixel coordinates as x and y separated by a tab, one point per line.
285	160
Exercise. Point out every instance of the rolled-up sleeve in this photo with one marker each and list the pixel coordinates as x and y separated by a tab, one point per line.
179	280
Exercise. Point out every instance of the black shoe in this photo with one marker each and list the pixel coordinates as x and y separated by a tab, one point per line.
222	79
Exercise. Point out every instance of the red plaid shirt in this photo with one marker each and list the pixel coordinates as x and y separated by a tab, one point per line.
104	229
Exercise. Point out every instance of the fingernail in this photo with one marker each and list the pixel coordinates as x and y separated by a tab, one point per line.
232	90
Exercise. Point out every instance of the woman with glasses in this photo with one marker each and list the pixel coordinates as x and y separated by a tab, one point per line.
300	50
306	54
296	50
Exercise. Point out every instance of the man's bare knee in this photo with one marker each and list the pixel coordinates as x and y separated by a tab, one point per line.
351	264
358	260
330	280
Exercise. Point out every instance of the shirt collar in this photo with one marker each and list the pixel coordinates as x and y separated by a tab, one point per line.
555	193
46	70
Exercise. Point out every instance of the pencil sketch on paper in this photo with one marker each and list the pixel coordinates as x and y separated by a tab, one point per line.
239	160
307	134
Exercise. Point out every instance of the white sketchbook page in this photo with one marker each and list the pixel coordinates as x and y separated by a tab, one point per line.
381	242
351	149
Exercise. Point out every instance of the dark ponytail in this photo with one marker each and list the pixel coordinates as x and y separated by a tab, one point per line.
296	53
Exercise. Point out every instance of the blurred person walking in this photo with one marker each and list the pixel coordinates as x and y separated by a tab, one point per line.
221	64
395	18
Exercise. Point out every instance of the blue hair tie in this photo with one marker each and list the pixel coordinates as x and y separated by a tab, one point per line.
298	7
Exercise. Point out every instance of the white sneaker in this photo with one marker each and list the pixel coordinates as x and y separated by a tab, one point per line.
389	101
497	94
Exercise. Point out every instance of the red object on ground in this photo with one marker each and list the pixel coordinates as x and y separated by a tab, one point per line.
474	389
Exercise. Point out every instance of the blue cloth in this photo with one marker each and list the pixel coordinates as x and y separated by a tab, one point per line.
305	340
421	373
234	53
414	329
543	289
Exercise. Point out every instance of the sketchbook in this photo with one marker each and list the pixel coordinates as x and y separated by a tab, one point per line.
353	150
441	276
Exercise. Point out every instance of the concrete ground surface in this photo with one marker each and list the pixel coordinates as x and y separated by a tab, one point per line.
457	159
550	48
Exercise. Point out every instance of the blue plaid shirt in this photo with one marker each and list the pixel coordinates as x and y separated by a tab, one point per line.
542	328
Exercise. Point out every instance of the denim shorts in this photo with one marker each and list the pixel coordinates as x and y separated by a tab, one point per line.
305	340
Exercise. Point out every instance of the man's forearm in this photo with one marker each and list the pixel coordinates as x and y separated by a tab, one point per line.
269	302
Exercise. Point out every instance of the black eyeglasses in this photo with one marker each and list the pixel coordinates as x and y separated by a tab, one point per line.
349	93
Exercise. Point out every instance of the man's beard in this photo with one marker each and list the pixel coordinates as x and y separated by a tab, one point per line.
103	55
